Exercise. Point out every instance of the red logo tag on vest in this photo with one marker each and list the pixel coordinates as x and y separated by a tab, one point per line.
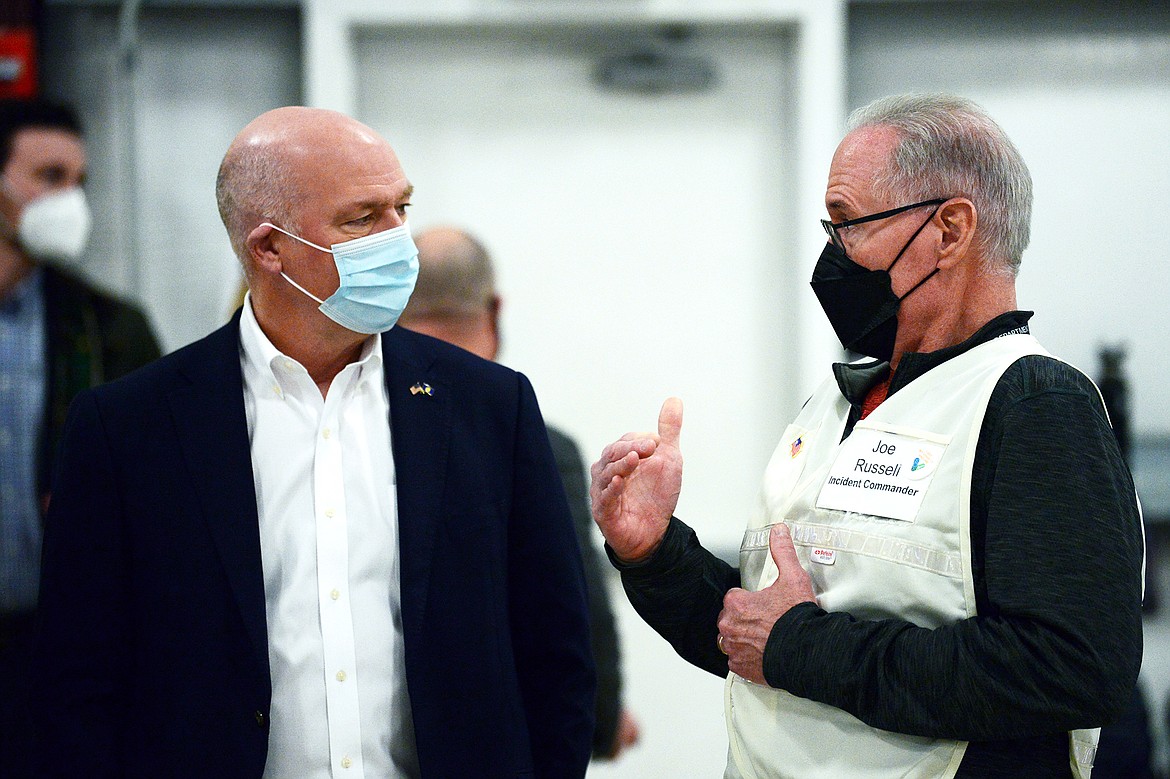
823	556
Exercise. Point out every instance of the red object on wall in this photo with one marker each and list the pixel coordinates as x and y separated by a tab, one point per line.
18	62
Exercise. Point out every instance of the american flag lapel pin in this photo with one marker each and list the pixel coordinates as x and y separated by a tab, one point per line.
421	388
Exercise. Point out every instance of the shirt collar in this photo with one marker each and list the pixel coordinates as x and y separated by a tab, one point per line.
25	294
261	357
855	379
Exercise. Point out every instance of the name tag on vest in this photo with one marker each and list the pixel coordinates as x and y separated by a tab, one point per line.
882	474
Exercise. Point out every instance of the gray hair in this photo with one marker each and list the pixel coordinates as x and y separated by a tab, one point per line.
254	184
950	147
455	276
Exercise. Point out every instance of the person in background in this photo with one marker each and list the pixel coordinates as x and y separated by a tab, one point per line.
58	336
312	544
944	573
1126	747
456	300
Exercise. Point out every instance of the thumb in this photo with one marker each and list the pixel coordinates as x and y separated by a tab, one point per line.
670	421
783	550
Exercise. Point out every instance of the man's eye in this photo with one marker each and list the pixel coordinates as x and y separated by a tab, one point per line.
53	177
401	209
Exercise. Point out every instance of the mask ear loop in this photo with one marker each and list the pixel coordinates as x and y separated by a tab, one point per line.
284	275
907	246
919	284
302	289
322	248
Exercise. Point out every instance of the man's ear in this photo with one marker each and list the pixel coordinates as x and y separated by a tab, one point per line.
10	210
494	306
262	249
958	219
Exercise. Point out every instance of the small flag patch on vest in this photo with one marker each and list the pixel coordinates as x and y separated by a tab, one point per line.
796	446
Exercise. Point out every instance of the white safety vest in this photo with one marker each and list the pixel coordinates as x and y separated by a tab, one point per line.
881	523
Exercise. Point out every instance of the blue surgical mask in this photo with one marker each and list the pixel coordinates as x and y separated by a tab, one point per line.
377	275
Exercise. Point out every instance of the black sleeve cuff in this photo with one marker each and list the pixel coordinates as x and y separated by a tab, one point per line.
778	662
678	539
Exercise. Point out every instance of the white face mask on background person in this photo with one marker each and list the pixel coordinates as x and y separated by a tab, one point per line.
55	226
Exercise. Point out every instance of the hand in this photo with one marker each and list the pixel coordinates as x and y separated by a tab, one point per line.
747	618
627	735
636	485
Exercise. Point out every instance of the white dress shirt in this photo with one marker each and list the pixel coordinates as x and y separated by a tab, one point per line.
325	495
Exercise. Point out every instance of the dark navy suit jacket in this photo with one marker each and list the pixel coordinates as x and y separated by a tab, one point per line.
153	649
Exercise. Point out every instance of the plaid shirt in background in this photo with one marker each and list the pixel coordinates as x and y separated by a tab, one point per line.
22	412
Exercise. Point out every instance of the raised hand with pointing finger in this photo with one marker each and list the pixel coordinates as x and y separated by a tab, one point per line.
748	617
636	485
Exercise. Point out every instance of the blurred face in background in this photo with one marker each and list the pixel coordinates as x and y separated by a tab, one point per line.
42	161
43	211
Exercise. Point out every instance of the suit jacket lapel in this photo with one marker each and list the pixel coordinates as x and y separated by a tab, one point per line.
420	430
213	434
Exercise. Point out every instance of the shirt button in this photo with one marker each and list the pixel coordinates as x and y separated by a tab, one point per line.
329	513
341	676
346	762
335	594
326	433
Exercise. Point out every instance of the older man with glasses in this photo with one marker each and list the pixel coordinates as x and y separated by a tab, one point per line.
944	574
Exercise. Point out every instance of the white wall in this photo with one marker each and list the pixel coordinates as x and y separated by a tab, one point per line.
640	243
156	130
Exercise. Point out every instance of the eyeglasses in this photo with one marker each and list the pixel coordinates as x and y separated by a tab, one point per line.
832	229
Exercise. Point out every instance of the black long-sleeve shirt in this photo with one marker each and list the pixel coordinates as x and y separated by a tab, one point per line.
1056	556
